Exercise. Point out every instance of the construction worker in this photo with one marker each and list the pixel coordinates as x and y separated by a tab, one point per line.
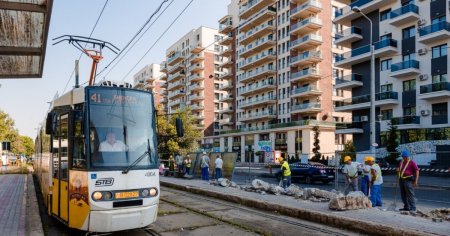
375	182
205	166
187	164
286	173
365	177
351	175
408	174
219	166
171	166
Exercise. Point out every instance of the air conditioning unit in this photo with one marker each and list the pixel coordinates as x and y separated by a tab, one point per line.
423	77
424	112
421	22
422	51
364	118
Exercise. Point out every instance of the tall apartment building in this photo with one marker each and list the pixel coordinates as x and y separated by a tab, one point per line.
151	79
410	40
284	77
194	78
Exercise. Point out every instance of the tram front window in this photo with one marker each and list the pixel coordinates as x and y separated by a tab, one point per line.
121	129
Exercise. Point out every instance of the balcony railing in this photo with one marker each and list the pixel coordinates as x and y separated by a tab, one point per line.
306	55
385	43
366	98
350	125
257	86
280	125
306	38
349	31
310	88
303	73
350	6
304	106
403	10
255	30
304	22
258	114
305	5
257	100
443	25
405	65
406	120
439	119
436	87
386	95
353	53
349	78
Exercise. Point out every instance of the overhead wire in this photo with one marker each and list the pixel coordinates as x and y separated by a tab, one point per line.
159	38
135	42
81	53
134	37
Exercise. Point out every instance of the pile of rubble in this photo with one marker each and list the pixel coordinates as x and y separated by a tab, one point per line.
223	182
353	201
437	215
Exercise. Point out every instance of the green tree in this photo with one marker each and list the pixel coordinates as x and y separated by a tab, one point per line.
28	145
169	142
392	144
349	150
9	133
316	144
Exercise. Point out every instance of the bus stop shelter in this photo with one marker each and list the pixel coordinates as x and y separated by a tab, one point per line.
24	26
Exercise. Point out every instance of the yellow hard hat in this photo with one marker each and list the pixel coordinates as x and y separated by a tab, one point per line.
370	158
366	159
347	158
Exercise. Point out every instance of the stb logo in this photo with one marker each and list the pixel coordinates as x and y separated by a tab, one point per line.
104	182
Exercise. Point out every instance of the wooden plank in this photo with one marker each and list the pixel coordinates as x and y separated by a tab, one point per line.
17	6
20	51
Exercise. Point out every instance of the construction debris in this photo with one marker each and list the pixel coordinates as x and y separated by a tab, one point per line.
354	200
437	215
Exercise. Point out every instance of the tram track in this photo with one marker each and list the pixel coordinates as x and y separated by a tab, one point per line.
266	215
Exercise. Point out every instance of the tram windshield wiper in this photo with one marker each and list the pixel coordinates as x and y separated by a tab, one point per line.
148	152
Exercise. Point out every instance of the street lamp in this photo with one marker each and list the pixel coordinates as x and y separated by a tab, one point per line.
372	83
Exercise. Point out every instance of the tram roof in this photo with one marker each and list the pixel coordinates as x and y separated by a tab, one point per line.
24	28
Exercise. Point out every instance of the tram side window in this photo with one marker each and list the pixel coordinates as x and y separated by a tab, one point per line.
55	149
79	145
64	145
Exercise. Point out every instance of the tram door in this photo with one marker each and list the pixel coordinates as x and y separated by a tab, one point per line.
60	190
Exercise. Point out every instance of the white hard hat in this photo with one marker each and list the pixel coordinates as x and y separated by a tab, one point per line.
204	152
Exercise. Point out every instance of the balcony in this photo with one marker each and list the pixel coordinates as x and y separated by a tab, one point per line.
176	68
177	85
176	102
404	69
227	64
386	98
404	15
196	58
258	46
435	91
196	78
355	56
257	32
199	117
174	59
163	67
311	107
196	87
363	102
227	75
260	101
262	16
349	81
196	97
226	110
226	98
305	42
227	52
435	32
385	47
196	48
306	58
306	75
227	40
199	126
258	60
258	73
227	87
260	87
306	26
197	107
409	121
226	26
196	68
347	37
349	128
174	77
309	8
176	94
345	15
225	121
253	6
306	91
439	119
254	116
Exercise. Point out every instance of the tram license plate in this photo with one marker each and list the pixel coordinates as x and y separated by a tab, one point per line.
121	195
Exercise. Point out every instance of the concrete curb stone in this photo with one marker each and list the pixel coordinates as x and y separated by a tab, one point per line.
33	223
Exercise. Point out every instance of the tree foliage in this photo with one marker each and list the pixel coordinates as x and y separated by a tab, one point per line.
316	144
168	141
349	150
19	144
392	144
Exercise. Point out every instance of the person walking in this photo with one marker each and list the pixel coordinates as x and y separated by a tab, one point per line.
179	161
219	165
187	164
408	174
365	177
351	175
376	179
286	173
205	166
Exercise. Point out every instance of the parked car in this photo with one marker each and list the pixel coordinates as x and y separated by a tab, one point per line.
312	172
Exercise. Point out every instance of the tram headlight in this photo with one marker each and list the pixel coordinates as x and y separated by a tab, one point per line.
153	192
97	196
145	192
108	195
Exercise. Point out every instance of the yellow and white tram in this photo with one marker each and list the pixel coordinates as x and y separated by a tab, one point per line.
96	159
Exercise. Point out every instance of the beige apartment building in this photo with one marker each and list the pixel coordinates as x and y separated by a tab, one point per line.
281	78
151	78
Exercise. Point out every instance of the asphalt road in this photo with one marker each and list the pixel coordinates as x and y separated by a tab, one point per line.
427	198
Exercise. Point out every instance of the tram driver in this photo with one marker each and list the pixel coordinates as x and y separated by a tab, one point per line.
111	144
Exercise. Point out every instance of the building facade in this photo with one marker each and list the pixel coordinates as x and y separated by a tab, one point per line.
152	79
410	40
282	77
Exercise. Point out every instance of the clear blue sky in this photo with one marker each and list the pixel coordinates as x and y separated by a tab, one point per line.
26	99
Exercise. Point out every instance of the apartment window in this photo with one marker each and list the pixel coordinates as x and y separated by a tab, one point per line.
409	32
217	38
409	57
439	51
386	88
386	64
440	113
409	111
386	114
409	85
439	78
384	15
216	48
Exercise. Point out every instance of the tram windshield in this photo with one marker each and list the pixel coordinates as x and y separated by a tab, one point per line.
121	128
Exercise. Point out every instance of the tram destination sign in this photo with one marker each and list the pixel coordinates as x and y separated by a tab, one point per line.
114	97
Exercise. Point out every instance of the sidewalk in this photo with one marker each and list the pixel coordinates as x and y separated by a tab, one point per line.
369	221
19	212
